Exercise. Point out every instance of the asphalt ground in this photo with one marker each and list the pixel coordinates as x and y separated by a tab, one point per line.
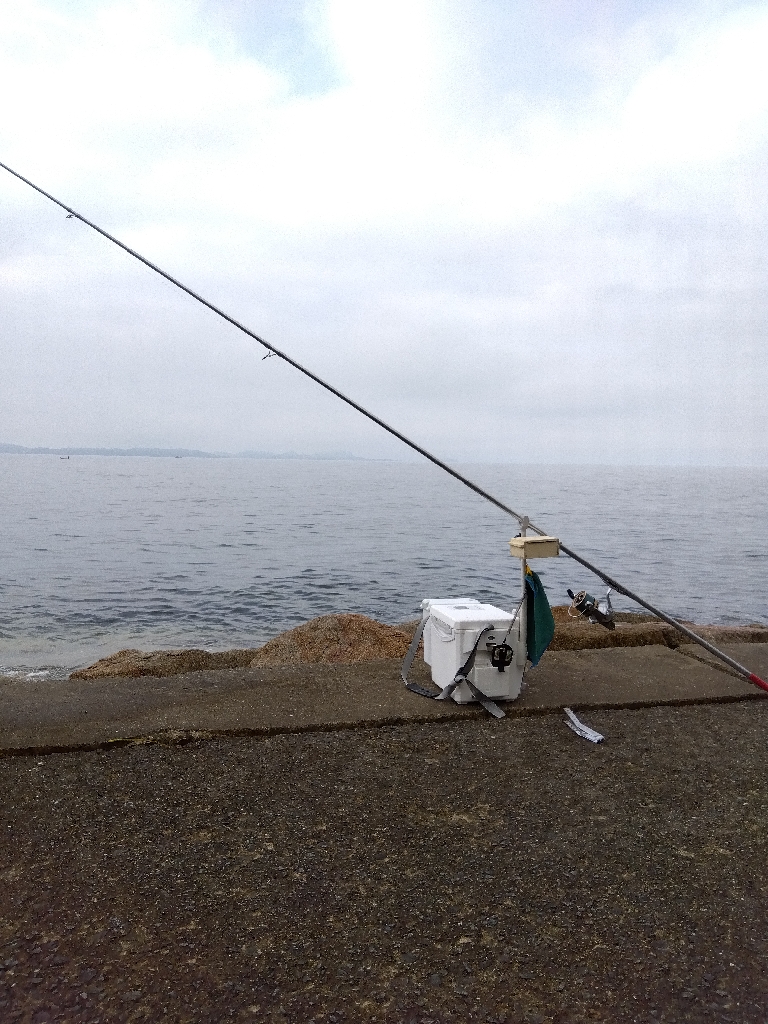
473	870
439	869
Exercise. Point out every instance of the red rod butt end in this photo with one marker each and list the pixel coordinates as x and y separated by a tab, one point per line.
758	681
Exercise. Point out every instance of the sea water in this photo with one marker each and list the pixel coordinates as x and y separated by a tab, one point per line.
99	553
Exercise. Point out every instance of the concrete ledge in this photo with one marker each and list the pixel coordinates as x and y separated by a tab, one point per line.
41	715
641	677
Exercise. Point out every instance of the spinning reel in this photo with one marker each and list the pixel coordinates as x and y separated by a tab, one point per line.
593	609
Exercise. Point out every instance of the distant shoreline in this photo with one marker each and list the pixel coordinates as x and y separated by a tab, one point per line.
183	453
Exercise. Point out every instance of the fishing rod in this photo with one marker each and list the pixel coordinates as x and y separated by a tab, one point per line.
523	520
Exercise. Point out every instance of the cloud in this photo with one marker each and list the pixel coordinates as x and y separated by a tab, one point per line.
571	250
130	88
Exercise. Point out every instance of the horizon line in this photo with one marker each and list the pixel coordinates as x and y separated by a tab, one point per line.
158	452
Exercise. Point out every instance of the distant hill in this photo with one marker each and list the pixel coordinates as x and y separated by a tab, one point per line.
332	456
177	453
171	453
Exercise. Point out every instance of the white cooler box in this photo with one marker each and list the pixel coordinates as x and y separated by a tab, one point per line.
450	634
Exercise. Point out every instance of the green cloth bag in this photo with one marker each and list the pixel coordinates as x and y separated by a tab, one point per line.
541	623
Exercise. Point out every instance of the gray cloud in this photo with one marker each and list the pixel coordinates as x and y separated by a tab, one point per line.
618	316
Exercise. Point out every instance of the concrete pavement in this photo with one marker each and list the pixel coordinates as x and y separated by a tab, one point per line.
42	715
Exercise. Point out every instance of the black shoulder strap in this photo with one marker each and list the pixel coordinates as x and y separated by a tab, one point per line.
460	677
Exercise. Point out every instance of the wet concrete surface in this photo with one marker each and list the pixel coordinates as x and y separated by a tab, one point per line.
441	871
45	715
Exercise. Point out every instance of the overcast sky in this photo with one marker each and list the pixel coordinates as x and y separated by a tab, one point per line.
519	231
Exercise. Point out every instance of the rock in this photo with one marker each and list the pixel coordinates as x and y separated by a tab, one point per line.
637	630
131	662
342	639
641	631
348	638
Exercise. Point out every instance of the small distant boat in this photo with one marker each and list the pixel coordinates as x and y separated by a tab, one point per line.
63	456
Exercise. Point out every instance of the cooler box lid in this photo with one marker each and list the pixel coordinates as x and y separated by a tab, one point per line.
428	601
471	615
